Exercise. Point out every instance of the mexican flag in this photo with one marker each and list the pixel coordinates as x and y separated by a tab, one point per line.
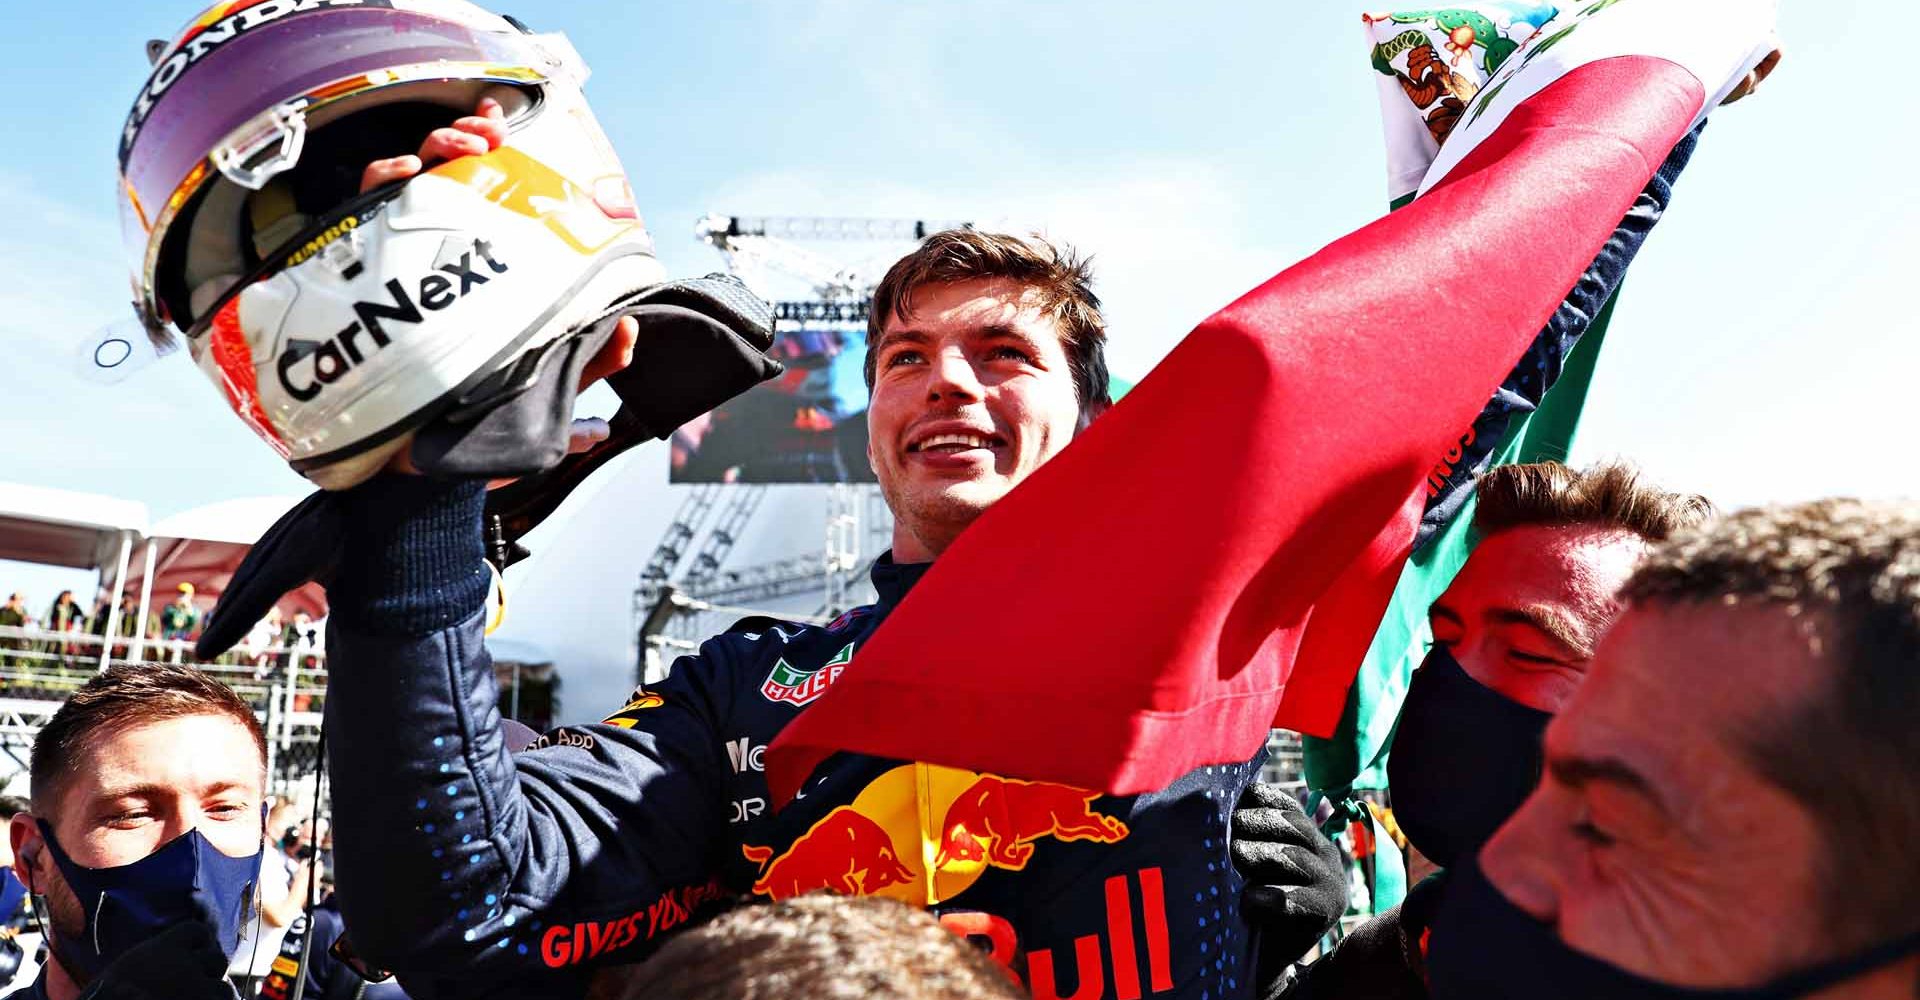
1290	437
1429	65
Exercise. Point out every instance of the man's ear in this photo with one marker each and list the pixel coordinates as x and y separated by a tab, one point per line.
871	467
29	852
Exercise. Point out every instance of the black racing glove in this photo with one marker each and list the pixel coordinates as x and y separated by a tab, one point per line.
1381	959
183	962
1296	879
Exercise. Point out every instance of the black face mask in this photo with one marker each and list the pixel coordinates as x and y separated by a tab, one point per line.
1464	758
1485	948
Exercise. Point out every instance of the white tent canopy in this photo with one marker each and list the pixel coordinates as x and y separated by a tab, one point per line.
59	528
78	530
205	545
85	531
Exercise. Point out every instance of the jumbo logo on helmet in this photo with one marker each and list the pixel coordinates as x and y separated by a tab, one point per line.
194	46
335	357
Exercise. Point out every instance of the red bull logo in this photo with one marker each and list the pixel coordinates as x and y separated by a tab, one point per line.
924	834
1132	956
998	819
846	853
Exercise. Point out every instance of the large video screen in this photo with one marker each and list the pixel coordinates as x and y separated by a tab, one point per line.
808	426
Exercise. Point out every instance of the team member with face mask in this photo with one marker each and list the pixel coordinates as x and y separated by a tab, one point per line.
1512	638
146	828
1729	808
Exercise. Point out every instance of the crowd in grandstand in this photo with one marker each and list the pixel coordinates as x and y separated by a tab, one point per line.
68	633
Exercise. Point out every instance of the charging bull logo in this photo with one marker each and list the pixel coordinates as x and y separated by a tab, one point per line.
998	819
846	852
925	834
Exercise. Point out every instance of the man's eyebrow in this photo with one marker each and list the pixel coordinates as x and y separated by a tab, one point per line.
1562	628
1003	332
144	790
892	337
1577	772
156	790
1438	610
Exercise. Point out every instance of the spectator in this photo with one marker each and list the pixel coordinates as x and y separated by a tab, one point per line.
14	911
145	824
1729	800
13	615
815	946
64	616
102	613
303	640
130	627
257	647
178	621
1513	637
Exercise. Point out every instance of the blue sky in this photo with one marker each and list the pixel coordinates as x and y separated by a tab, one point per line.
1765	347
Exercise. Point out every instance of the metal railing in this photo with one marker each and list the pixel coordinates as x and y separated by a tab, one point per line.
286	688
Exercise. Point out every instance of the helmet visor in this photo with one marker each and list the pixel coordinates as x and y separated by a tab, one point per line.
224	79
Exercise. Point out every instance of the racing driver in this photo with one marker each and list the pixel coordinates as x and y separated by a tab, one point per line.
473	871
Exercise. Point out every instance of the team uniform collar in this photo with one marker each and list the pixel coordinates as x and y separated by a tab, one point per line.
892	580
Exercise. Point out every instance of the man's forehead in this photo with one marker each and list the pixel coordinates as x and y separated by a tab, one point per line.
187	753
1579	568
971	303
1678	683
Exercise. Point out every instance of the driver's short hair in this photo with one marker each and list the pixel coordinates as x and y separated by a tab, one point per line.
1061	280
120	698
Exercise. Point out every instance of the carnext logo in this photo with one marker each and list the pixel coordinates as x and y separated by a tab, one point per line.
331	359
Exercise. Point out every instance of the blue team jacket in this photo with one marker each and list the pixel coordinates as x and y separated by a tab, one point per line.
472	871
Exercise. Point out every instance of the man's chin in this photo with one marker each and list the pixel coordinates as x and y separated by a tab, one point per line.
962	500
944	512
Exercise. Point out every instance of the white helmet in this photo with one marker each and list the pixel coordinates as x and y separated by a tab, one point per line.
336	323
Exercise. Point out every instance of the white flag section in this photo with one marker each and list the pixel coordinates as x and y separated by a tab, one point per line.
1718	41
1431	63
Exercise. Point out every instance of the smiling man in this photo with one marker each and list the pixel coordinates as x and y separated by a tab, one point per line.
988	356
146	817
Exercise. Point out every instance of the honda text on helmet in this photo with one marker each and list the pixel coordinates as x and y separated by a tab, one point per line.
336	323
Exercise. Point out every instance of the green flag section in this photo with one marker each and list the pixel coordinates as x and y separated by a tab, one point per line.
1355	757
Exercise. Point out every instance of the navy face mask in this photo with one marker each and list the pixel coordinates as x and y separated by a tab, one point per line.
1464	758
1485	948
188	879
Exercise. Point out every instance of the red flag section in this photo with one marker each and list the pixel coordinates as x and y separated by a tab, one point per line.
1233	529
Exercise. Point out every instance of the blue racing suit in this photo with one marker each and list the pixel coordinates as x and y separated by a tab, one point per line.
472	871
